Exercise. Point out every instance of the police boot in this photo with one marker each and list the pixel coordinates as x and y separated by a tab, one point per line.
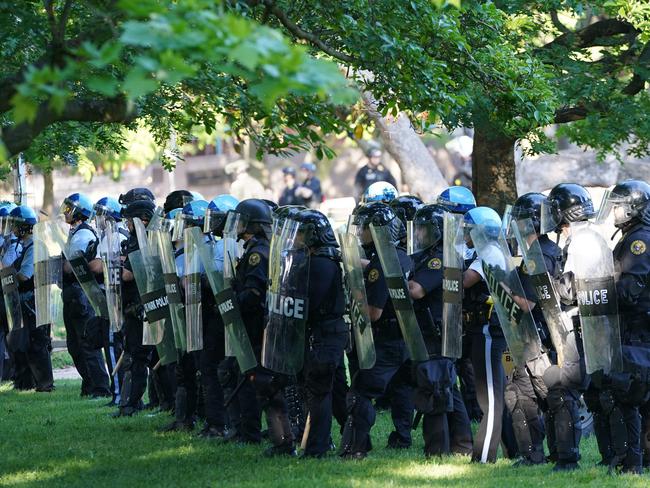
125	410
181	421
279	430
42	370
355	441
603	439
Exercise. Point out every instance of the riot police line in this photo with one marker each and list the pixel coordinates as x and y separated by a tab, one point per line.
225	311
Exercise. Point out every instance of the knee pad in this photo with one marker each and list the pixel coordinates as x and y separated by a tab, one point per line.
510	397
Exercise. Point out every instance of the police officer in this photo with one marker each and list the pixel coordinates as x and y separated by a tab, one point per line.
392	356
446	426
36	354
136	355
327	332
628	202
77	209
372	172
459	200
294	193
109	209
556	390
251	275
567	203
487	343
312	183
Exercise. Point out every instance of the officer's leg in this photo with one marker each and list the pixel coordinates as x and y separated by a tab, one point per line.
339	392
250	428
2	352
228	374
401	403
465	371
112	351
487	354
323	361
601	424
644	410
94	360
135	361
71	315
460	429
153	381
616	416
528	430
269	389
39	357
165	380
433	398
210	357
183	413
366	385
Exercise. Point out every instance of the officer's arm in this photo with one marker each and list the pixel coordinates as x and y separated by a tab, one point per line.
96	266
523	303
470	278
375	313
415	290
630	287
67	268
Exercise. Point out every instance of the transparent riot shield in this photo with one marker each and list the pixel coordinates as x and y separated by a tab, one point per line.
359	315
147	269
48	269
410	237
110	252
238	344
452	288
500	273
192	284
9	282
559	324
85	277
592	263
287	305
399	294
172	287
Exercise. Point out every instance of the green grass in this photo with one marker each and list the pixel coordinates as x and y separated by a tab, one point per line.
59	439
61	359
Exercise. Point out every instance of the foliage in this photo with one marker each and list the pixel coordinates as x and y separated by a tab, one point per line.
62	440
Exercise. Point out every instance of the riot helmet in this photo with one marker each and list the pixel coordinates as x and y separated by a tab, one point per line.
380	191
628	202
251	216
405	207
141	209
485	217
76	207
192	215
428	225
177	199
23	219
379	214
315	228
457	199
5	220
566	203
107	208
135	194
529	206
215	214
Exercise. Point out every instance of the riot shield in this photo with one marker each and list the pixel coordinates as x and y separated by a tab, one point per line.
508	295
287	305
358	301
238	344
592	263
11	295
452	288
559	324
399	293
48	269
110	253
147	269
172	283
85	277
192	284
410	237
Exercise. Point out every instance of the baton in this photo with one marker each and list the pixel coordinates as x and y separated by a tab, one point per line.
232	396
119	363
416	421
157	365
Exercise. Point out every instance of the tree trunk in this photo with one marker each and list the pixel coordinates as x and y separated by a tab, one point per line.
48	192
419	169
493	168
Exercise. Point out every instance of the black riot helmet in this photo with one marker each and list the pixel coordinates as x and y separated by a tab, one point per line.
380	214
428	224
142	209
628	201
316	229
529	206
251	216
405	207
566	203
135	194
177	199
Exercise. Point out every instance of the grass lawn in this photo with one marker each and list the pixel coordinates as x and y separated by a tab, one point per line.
59	439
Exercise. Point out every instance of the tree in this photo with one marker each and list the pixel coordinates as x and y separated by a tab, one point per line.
74	73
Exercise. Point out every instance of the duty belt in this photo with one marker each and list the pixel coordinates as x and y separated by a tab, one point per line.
478	317
387	330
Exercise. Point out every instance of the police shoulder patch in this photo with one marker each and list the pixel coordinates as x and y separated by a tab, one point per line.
638	247
434	263
254	259
373	275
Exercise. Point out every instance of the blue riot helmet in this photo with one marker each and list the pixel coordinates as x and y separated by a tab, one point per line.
215	214
484	217
457	199
107	208
380	191
75	207
196	196
23	219
311	167
192	215
5	221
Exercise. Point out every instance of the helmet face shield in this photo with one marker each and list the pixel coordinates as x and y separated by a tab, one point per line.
425	235
618	206
179	227
551	217
214	221
66	209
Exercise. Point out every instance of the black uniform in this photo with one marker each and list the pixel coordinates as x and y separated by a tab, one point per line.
249	286
392	363
313	184
77	311
368	175
327	335
446	425
136	355
615	399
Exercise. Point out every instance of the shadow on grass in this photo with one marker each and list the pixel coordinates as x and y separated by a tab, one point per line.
59	439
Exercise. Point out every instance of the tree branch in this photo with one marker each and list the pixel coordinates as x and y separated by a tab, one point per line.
591	35
19	137
302	34
570	114
63	19
558	25
637	83
49	9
